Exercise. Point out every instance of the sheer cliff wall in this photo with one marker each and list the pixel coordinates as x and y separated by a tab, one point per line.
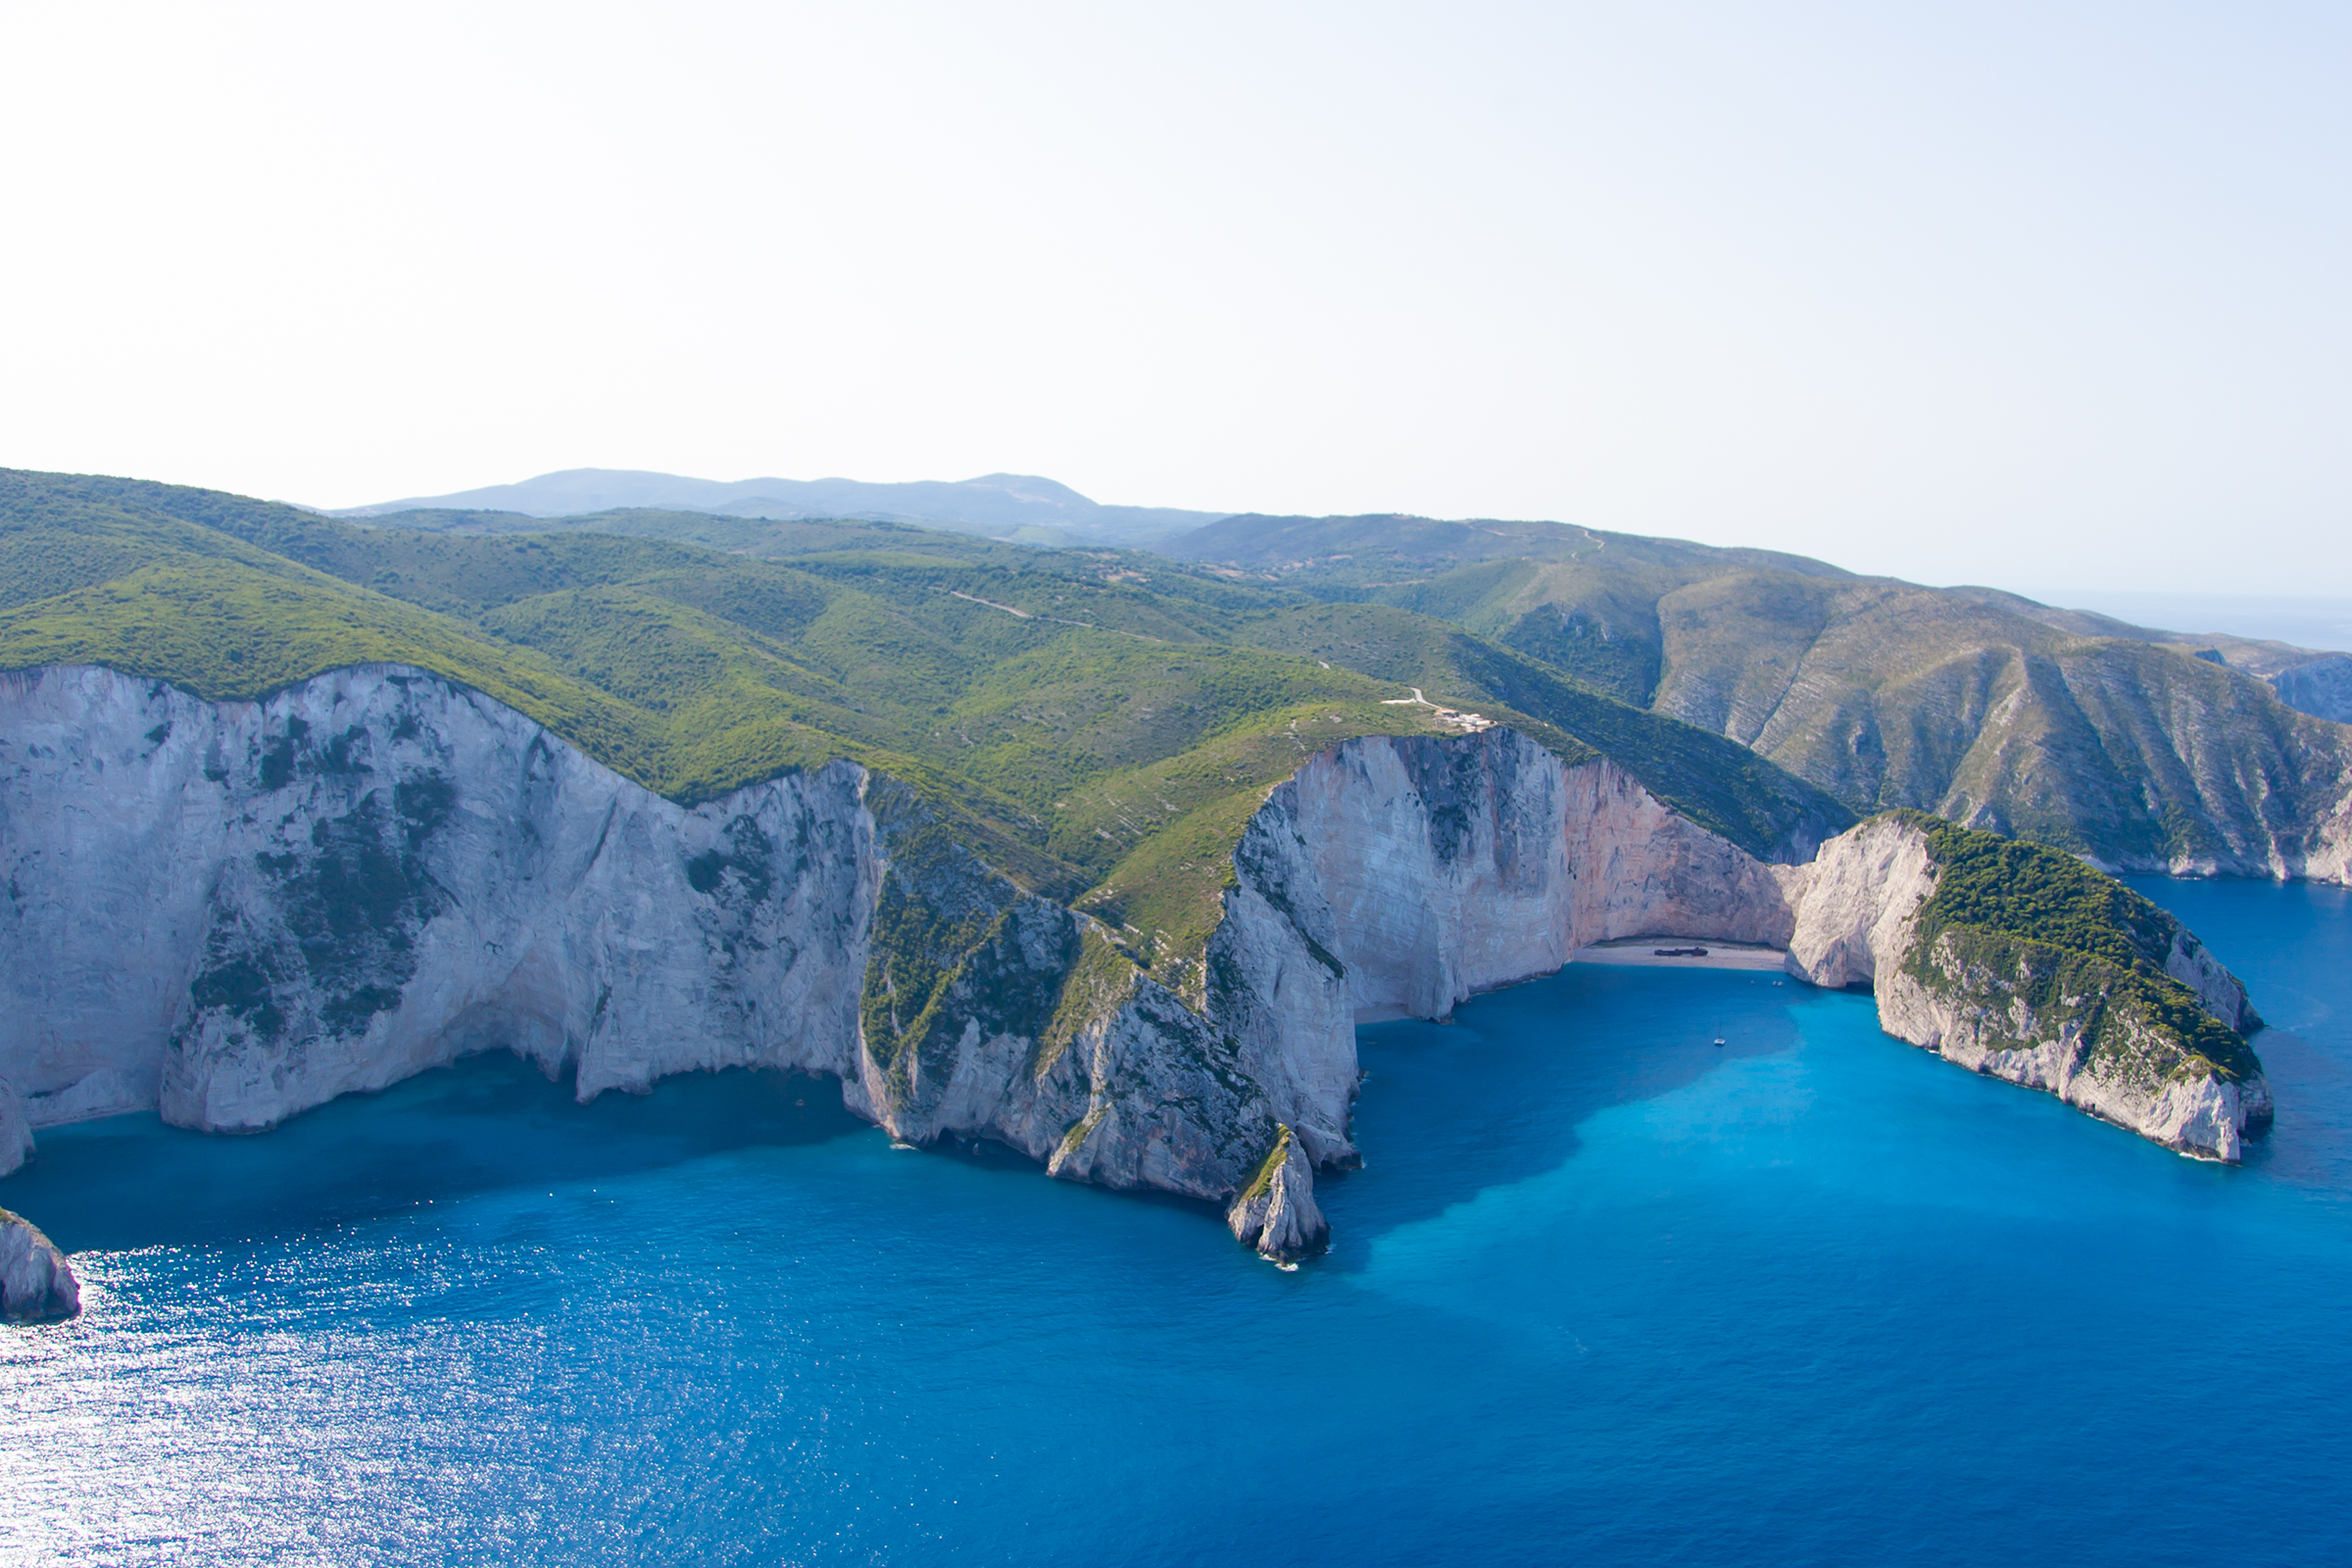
231	912
2085	1028
1395	878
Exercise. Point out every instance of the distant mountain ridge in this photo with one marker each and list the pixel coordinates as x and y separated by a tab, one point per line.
1582	599
1022	508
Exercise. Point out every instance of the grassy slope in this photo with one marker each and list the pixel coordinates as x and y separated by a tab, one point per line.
1163	833
2094	736
1712	780
1032	698
150	596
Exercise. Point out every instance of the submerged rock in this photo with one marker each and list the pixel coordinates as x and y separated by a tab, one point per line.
37	1283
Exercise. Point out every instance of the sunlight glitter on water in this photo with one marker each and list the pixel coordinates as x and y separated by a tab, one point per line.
1603	1289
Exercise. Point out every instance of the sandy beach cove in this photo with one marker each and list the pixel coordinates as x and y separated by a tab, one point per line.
1643	952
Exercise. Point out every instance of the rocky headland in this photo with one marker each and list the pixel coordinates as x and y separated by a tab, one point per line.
231	913
2023	964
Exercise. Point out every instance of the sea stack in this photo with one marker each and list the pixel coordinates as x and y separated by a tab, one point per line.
37	1283
1276	1212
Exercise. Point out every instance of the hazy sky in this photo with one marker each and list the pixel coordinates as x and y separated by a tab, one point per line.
2044	295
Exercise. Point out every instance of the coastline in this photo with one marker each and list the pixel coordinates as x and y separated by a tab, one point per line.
1641	952
1635	951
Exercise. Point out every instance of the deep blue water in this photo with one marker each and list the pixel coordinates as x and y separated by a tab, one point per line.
1604	1292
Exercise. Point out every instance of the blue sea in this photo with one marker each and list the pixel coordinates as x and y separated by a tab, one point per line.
1604	1292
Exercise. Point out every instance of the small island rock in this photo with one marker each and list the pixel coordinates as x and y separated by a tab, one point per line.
37	1283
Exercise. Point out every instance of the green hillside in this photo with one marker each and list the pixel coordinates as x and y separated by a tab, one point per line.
1096	723
2077	731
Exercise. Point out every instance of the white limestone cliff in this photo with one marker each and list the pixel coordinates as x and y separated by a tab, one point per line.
1398	877
2004	1009
231	912
16	1133
1865	886
1276	1213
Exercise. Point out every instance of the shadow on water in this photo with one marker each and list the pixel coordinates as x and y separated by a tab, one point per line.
488	1124
1496	1096
1490	1099
991	1155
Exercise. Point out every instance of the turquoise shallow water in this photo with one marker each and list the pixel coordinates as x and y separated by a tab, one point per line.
1603	1291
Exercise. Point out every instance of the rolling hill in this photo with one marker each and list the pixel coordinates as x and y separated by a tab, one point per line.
1087	720
1043	693
2138	747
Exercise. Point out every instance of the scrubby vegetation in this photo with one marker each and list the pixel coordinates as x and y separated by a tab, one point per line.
2028	890
1098	984
2083	943
2047	724
1096	723
1263	1177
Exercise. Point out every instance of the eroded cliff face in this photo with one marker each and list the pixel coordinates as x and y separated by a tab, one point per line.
1398	877
16	1133
2320	687
2019	1010
231	912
